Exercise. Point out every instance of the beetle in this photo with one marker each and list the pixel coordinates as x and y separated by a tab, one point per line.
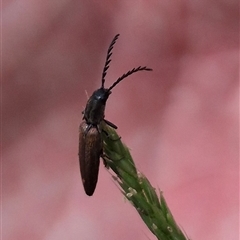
90	140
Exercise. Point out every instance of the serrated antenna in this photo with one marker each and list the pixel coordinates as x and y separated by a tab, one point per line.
108	60
128	74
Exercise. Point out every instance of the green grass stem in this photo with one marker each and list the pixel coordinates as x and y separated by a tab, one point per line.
137	189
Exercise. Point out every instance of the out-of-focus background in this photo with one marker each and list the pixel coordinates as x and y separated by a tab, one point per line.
180	121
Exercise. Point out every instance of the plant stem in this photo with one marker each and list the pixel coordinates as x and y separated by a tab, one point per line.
137	189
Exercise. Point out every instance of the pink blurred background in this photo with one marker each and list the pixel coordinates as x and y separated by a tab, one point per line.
180	121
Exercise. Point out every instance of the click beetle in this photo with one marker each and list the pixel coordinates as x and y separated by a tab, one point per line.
90	140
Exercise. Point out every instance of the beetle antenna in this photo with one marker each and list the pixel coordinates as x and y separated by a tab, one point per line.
108	60
128	74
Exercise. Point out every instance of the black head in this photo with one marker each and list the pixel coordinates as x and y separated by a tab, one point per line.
101	95
94	111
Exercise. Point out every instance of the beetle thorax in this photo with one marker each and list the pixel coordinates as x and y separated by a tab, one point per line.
94	111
